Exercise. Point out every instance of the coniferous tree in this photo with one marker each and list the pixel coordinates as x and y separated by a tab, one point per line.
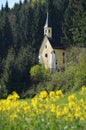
73	24
2	8
7	36
25	1
37	26
6	7
20	3
79	27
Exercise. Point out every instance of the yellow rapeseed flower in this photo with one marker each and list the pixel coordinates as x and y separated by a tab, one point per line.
59	93
71	104
52	94
53	108
43	94
72	97
83	89
13	96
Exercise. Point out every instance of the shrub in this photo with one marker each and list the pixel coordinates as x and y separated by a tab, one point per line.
80	75
39	73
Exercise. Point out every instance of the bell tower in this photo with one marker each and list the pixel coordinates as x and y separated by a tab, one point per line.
47	27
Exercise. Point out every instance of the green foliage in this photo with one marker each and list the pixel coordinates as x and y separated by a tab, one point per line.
80	75
6	36
15	75
21	28
33	2
39	73
8	66
74	75
62	80
79	30
3	91
25	59
74	27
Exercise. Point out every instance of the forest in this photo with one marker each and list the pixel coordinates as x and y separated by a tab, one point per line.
21	35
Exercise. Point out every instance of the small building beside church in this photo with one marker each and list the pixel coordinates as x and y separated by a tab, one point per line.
51	54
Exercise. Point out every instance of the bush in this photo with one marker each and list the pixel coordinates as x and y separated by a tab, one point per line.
39	73
63	80
80	75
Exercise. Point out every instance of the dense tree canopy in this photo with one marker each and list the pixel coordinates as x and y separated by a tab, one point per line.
21	34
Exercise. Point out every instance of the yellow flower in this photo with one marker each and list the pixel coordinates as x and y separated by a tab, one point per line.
65	110
52	94
82	119
58	114
53	108
34	102
83	89
72	97
43	94
13	96
59	93
71	104
26	109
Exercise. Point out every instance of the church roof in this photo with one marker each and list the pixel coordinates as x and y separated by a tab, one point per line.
55	44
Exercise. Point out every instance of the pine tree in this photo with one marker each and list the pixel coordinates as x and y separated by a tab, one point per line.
7	35
6	7
73	25
25	1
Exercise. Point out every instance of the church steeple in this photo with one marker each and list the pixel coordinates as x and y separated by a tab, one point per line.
47	27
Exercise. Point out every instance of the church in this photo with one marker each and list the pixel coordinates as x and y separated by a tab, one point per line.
51	54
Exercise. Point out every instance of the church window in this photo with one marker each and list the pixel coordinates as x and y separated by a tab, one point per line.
46	55
45	31
45	46
63	58
63	54
49	30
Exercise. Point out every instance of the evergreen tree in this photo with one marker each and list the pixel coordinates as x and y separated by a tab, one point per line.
6	7
79	27
73	24
37	25
8	68
2	8
20	3
7	35
25	1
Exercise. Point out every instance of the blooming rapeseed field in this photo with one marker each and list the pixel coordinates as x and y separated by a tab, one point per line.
45	111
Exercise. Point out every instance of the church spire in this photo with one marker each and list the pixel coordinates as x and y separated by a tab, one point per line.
47	20
47	27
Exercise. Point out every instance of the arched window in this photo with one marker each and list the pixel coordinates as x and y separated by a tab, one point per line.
46	55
